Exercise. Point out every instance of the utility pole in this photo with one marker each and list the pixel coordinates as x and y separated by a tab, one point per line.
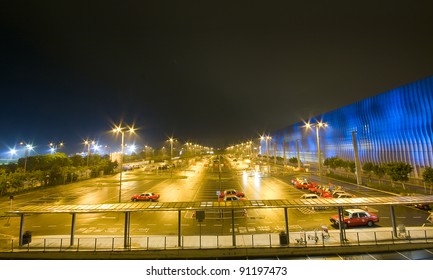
357	163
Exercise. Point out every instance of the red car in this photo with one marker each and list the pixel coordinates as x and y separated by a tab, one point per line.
325	194
355	217
316	189
231	198
145	197
305	184
298	179
322	191
231	192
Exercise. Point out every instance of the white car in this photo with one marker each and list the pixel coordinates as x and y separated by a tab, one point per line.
313	196
309	196
344	195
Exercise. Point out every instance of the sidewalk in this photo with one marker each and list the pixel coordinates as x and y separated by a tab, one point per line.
274	243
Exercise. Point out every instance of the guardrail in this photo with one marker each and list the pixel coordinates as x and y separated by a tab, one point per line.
313	239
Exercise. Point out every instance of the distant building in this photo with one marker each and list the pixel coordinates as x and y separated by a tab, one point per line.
393	126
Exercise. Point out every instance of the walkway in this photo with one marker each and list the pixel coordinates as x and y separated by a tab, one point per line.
360	240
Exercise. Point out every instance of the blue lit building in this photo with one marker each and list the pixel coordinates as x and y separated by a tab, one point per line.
393	126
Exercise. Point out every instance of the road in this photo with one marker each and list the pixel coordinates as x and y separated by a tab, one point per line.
198	182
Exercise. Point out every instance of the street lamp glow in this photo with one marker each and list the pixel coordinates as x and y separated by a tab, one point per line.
54	147
318	125
29	148
116	130
13	152
88	143
171	140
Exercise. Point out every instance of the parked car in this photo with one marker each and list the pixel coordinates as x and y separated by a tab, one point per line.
355	217
309	196
305	184
145	197
344	195
337	192
322	191
317	188
231	192
298	179
231	198
313	196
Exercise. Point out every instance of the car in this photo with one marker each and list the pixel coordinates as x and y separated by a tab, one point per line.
344	195
305	184
355	217
317	189
231	198
298	179
337	192
145	197
322	191
309	196
325	194
423	206
313	196
232	192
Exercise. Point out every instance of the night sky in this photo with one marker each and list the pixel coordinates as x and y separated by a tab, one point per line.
212	72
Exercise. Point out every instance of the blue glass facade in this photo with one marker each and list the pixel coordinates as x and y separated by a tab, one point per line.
393	126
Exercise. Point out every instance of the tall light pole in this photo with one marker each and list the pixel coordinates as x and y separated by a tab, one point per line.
121	130
318	125
298	154
28	148
357	163
267	152
171	140
267	138
88	143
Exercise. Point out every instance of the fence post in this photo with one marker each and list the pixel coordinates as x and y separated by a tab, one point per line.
96	240
357	236
45	244
375	237
270	241
12	244
112	245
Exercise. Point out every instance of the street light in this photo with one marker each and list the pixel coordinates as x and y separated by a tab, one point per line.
88	143
121	130
171	140
318	125
28	147
54	147
267	138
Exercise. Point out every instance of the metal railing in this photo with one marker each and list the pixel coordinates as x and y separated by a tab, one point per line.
268	240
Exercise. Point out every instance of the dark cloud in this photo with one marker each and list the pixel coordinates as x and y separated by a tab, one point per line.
210	71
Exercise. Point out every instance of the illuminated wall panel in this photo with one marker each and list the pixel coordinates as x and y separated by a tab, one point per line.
393	126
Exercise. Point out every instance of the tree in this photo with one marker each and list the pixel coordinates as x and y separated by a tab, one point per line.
427	175
399	171
331	162
77	160
379	171
350	166
368	168
293	160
